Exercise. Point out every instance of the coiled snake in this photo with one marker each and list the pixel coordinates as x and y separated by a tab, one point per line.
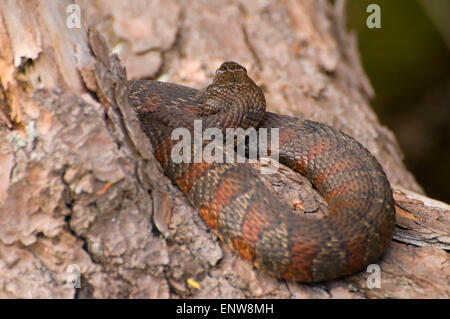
236	204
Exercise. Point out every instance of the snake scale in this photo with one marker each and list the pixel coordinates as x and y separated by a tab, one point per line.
236	204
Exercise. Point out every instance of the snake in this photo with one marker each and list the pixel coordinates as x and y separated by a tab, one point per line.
239	207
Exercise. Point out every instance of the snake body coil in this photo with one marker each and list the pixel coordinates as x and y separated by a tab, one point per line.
236	204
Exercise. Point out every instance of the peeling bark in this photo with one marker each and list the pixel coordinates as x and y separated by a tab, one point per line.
78	180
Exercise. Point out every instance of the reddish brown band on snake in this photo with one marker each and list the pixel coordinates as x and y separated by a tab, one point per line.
236	204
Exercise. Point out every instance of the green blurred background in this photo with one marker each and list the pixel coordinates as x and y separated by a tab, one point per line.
408	63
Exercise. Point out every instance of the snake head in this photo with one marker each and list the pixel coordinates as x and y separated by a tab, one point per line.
234	98
231	72
231	66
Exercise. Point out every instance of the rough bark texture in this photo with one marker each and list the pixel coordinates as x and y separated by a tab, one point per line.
78	180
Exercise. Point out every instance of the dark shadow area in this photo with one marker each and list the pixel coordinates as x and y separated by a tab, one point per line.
408	63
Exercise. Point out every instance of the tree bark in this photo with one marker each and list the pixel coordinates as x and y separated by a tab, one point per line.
81	189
